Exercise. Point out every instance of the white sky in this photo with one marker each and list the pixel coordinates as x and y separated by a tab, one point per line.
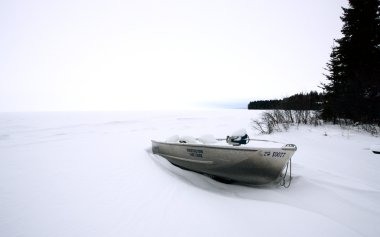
123	54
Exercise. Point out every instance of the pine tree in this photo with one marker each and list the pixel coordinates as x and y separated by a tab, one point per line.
353	88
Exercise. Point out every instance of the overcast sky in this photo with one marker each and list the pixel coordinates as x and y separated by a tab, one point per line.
124	54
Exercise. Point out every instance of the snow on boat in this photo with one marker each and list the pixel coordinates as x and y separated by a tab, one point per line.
234	161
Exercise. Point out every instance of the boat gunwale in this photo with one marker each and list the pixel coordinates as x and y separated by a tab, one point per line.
210	146
240	148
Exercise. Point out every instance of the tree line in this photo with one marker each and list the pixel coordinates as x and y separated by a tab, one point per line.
302	101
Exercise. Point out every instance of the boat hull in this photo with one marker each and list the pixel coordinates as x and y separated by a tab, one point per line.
244	164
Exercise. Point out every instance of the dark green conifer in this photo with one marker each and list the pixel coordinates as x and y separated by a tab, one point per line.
353	88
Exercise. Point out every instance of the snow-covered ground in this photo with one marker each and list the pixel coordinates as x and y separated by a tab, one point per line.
93	174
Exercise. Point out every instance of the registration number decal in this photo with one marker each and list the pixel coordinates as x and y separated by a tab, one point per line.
195	152
278	154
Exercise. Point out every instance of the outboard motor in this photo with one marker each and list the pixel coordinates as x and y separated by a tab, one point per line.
238	140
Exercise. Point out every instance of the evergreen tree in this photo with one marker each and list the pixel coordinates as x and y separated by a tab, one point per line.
353	88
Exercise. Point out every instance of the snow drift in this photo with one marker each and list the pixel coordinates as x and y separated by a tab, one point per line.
93	174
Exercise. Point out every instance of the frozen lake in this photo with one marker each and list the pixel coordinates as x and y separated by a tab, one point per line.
93	174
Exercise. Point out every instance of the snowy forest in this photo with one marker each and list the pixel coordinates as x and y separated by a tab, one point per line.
352	90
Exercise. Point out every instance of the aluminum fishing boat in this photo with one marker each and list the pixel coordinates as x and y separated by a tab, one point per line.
231	161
